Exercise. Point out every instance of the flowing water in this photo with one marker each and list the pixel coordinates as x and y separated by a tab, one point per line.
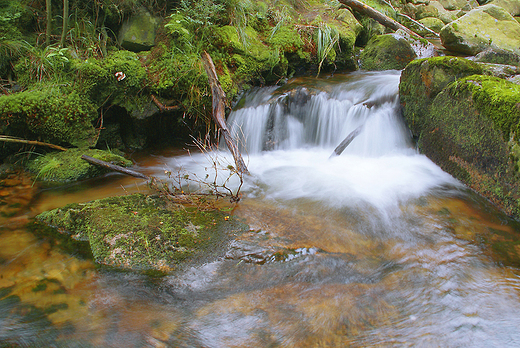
377	247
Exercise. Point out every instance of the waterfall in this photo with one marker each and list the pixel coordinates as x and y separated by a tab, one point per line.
297	116
287	135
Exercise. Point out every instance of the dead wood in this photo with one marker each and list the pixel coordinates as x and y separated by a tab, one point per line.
9	139
378	16
343	145
114	167
161	106
219	112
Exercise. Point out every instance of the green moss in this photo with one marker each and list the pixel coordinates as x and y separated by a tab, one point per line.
67	166
467	133
144	232
423	79
495	98
59	115
286	39
385	52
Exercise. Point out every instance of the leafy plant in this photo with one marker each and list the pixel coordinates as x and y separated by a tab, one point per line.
43	64
326	38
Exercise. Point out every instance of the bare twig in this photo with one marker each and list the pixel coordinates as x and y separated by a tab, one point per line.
9	139
378	16
114	167
161	106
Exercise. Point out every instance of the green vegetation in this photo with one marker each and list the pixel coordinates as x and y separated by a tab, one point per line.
67	166
468	125
141	232
423	79
385	52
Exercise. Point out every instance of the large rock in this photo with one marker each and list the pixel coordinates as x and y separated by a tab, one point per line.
138	32
498	56
470	133
139	232
486	26
423	79
385	52
511	6
467	123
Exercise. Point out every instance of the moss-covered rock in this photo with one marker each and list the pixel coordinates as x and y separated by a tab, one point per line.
423	79
468	132
67	166
435	9
498	56
139	232
56	114
384	52
432	23
138	32
511	6
483	27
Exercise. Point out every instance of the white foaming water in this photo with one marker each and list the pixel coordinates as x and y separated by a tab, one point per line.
288	134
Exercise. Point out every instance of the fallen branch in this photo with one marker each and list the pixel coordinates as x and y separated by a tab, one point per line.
378	16
9	139
419	24
114	167
161	106
219	112
341	147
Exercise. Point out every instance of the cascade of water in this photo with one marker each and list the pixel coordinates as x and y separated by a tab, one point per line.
294	117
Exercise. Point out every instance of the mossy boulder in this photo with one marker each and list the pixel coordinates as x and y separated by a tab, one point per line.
451	5
436	10
423	79
385	52
498	56
470	132
138	32
481	28
67	166
432	23
143	232
511	6
56	114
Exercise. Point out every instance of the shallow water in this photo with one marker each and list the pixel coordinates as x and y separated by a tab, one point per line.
380	247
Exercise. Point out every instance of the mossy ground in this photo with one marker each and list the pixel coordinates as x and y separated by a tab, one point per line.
67	166
140	232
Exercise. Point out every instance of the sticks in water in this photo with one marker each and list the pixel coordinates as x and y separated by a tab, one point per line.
341	147
114	167
219	112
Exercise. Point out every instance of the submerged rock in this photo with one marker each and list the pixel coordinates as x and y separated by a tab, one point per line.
483	27
140	232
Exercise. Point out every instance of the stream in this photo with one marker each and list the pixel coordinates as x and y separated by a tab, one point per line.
377	247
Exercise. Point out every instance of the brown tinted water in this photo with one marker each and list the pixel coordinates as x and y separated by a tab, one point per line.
434	285
374	248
